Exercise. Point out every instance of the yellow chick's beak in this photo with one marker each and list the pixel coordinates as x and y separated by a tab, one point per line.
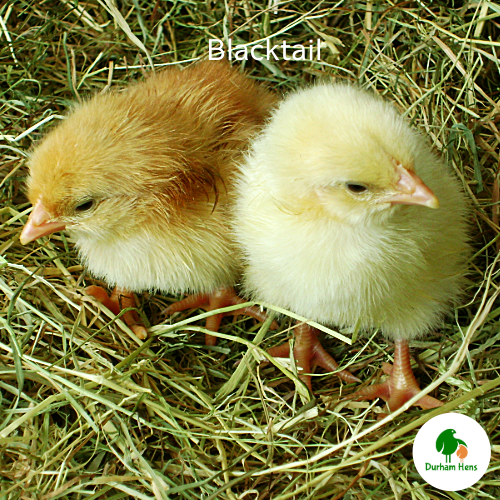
411	190
39	224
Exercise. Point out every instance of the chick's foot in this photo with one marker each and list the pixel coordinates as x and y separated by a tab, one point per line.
401	385
309	353
221	297
116	302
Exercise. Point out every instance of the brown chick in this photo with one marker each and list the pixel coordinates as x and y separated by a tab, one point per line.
339	221
141	179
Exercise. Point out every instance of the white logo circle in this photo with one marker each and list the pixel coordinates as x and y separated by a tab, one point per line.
451	452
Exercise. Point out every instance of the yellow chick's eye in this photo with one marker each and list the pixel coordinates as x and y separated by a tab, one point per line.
356	188
85	205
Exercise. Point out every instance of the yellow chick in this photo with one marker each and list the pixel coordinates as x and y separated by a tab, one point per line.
338	217
141	178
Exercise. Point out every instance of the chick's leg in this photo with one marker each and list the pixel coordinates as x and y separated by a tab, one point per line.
116	302
308	353
221	297
401	384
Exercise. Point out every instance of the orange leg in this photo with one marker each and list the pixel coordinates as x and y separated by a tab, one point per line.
222	297
401	385
309	352
116	302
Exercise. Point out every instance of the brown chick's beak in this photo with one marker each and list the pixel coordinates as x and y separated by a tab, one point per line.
39	224
411	190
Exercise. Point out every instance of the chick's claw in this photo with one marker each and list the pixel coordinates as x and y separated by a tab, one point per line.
401	385
221	297
116	302
309	352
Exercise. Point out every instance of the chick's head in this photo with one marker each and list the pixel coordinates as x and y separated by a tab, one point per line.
109	167
344	153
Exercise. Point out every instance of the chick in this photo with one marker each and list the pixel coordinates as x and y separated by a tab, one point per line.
141	178
338	217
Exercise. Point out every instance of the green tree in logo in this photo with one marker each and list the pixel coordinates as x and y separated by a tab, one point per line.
447	443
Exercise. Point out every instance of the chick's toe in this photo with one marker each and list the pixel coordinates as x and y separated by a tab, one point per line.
401	384
308	353
117	302
221	297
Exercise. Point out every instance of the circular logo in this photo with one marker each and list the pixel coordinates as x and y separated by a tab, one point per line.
451	452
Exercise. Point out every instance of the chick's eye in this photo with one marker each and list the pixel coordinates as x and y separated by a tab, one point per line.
84	206
356	188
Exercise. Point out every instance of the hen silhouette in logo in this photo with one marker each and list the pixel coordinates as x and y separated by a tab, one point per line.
447	444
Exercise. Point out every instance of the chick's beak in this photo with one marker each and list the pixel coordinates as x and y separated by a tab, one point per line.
411	190
39	224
